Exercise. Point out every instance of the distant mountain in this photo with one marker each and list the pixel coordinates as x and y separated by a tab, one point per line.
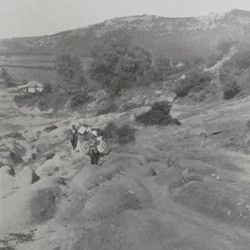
178	38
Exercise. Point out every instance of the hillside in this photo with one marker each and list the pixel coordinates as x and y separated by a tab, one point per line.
178	38
177	187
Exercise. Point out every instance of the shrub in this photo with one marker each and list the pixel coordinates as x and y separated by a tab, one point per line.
158	115
26	99
125	134
111	108
79	100
224	47
43	102
196	81
230	87
242	59
47	88
248	125
122	135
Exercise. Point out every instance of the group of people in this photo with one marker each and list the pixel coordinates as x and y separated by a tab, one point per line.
96	145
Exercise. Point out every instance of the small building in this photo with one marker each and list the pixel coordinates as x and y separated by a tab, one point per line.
31	87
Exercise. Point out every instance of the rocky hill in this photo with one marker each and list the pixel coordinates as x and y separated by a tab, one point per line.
175	37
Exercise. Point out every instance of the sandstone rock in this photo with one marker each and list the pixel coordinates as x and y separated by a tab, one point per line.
29	206
26	177
42	148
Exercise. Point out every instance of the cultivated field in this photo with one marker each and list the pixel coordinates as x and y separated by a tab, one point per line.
33	68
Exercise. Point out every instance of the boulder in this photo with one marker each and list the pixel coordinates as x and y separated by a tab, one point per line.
42	147
7	169
26	177
49	156
7	182
29	206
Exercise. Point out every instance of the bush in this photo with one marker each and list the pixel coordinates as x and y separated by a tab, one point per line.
25	99
125	134
158	115
230	87
47	88
79	100
111	108
242	59
43	102
195	82
224	47
122	135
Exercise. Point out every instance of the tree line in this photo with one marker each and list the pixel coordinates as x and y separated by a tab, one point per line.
117	64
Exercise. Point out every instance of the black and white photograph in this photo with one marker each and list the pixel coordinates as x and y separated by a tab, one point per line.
124	125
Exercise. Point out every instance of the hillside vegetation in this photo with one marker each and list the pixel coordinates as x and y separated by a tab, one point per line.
120	65
176	38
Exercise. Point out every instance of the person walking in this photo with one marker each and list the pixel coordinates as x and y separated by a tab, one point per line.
74	137
93	152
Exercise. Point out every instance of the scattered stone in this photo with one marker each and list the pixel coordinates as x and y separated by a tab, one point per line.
50	128
41	148
14	135
49	156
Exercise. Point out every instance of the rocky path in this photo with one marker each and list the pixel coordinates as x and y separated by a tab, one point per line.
178	188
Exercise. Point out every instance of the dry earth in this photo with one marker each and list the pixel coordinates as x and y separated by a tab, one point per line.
176	188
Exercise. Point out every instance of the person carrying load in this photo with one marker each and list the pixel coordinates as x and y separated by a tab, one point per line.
93	151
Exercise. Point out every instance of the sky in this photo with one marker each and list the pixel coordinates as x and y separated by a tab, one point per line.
44	17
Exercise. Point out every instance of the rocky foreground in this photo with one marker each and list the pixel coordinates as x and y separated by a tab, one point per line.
178	188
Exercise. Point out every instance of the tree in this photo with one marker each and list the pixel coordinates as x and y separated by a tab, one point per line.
230	87
6	77
225	46
70	73
47	88
162	68
118	63
195	82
